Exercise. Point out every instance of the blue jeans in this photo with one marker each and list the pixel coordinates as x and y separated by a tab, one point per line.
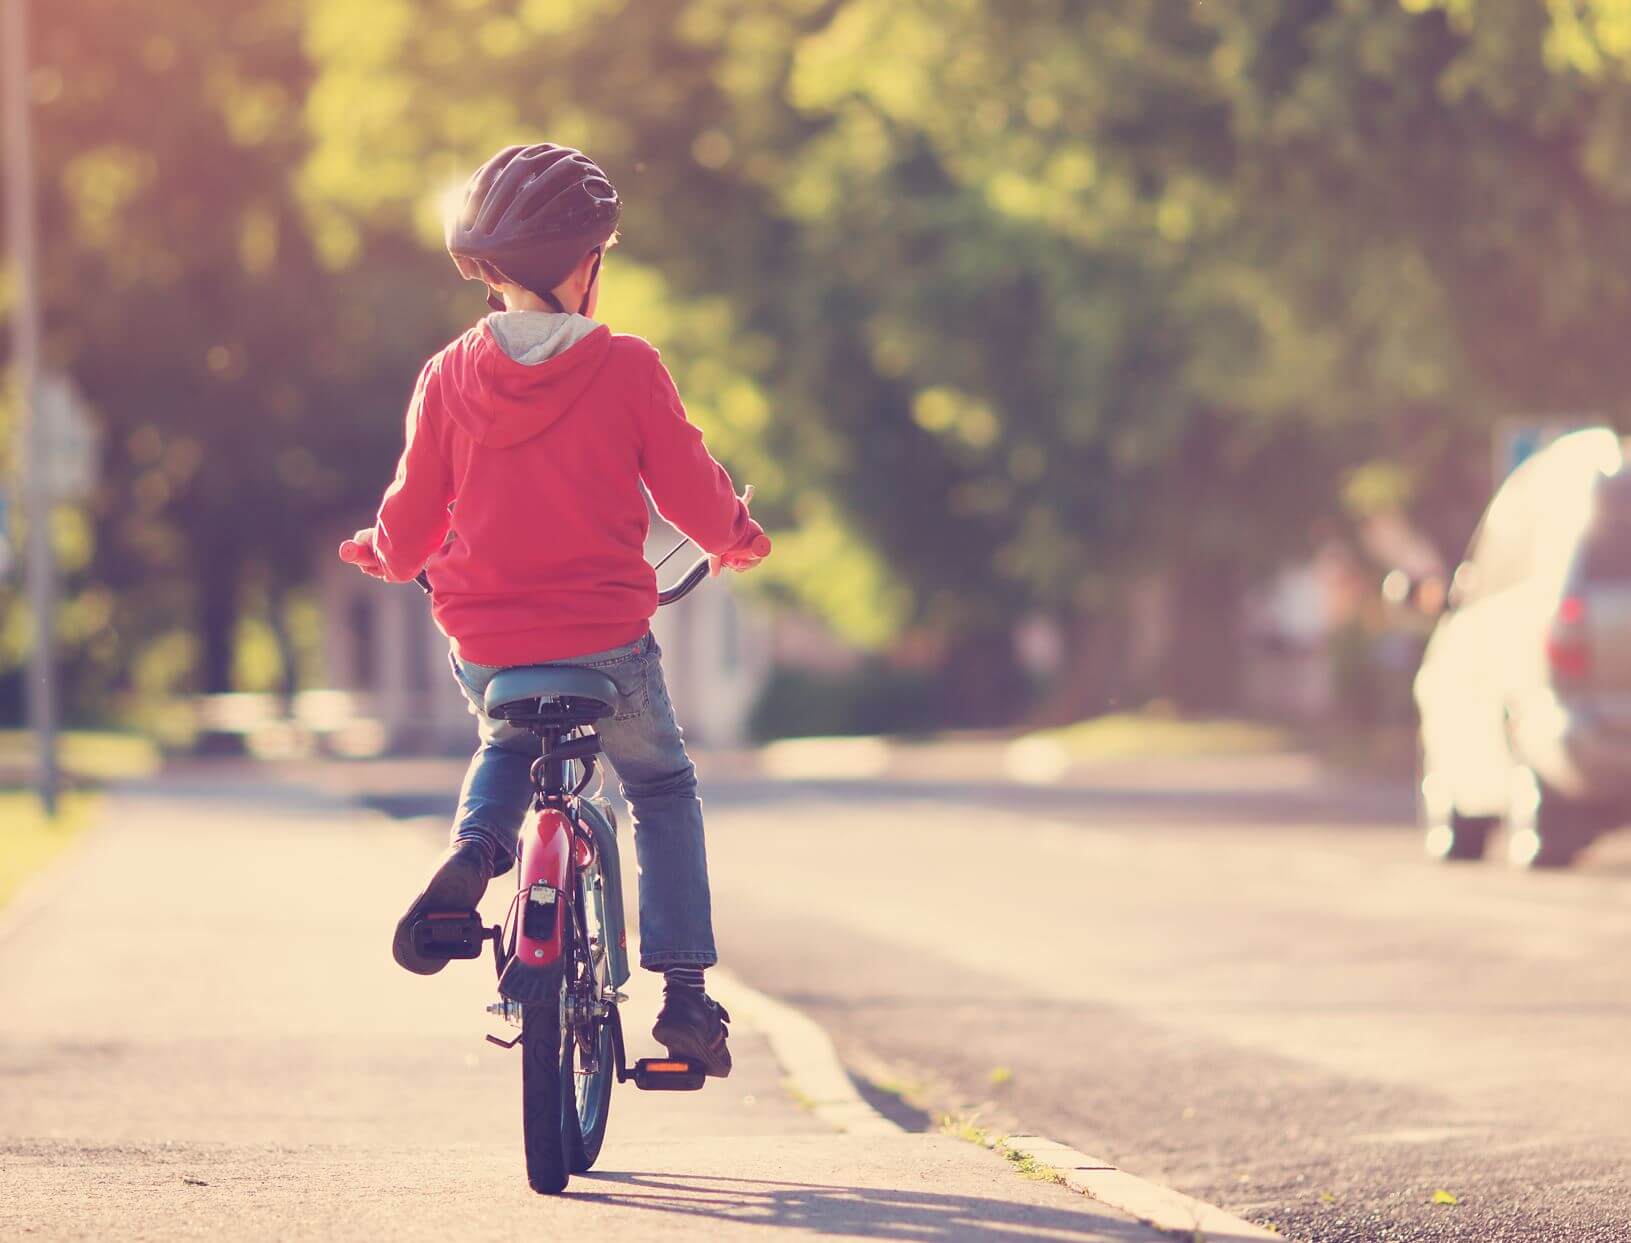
644	744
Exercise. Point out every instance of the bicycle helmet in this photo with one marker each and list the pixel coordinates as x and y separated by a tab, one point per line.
530	214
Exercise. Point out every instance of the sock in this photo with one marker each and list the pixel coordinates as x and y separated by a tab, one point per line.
684	977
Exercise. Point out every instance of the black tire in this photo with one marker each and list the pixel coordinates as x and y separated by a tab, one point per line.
1447	834
587	1099
1460	839
1544	829
542	1121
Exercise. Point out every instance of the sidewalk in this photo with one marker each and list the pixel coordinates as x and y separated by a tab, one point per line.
202	1034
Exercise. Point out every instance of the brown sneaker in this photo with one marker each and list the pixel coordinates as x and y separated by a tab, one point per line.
691	1025
457	884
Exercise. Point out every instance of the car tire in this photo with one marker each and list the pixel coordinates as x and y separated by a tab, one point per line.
1458	838
1544	829
1447	834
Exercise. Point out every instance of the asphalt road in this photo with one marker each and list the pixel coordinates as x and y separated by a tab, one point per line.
1241	979
202	1036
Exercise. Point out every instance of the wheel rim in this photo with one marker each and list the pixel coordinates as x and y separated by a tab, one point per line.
589	1095
1523	840
1439	841
1437	813
1523	847
590	1090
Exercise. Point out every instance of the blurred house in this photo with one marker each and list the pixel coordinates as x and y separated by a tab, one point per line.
381	648
1296	624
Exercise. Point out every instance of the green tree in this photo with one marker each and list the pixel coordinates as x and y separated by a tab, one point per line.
1005	307
237	380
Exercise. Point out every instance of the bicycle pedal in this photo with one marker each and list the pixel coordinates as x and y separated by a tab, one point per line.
668	1074
449	934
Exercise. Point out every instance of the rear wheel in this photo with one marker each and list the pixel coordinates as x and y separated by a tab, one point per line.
542	1126
1544	829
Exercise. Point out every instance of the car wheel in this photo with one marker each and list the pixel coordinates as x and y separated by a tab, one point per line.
1447	835
1543	828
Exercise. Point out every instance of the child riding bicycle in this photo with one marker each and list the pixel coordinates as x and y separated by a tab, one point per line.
519	494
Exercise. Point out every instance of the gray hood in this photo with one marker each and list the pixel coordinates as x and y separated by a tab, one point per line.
533	337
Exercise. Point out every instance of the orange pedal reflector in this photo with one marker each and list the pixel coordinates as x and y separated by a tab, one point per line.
657	1074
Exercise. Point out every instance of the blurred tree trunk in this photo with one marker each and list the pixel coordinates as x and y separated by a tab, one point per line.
1094	676
983	685
277	618
1201	672
218	573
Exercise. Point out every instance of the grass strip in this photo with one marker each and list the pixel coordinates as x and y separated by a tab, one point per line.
1151	735
28	841
86	756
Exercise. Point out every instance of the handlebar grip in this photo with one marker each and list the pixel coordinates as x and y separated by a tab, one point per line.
760	546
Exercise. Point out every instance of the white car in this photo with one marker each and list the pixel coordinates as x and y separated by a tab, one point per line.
1524	691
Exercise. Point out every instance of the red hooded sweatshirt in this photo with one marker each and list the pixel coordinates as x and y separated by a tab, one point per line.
519	489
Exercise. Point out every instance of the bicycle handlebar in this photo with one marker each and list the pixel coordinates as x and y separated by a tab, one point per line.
687	584
693	578
699	571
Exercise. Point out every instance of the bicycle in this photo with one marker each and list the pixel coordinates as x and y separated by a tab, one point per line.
561	952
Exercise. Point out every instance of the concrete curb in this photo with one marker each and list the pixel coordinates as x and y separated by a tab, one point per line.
815	1074
806	1055
1153	1204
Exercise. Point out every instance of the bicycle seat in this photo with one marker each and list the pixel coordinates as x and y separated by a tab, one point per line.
553	695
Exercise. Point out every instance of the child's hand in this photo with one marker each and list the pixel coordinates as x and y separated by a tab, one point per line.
745	557
740	559
359	551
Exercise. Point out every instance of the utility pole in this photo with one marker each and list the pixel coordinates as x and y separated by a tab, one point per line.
34	435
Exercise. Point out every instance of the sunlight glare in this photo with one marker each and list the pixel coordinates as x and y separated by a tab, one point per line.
450	201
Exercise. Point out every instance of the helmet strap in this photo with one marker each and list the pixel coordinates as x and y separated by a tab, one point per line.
548	295
594	275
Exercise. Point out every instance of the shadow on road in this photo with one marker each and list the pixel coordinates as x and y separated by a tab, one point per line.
412	805
866	1212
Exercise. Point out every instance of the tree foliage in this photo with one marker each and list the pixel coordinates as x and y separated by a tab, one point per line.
1004	307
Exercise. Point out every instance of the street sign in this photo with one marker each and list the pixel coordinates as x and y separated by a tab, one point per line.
72	440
